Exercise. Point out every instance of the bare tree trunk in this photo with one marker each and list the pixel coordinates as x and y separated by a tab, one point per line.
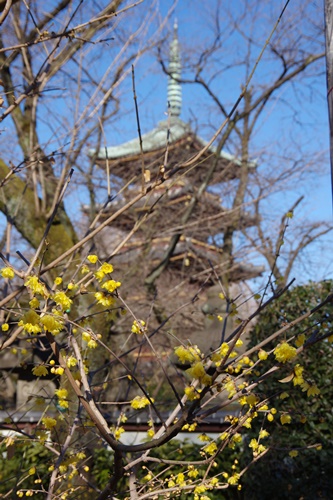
329	71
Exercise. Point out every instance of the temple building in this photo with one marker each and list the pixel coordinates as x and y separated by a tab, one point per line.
166	148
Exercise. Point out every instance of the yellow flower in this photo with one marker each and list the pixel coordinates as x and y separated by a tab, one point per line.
92	344
111	285
239	343
192	472
5	327
254	444
117	432
58	281
71	361
34	303
36	286
284	395
262	355
63	403
252	399
234	479
106	268
49	422
92	259
140	402
204	437
40	371
224	349
300	340
180	479
200	489
211	448
150	433
298	378
137	327
61	393
7	272
61	299
293	453
261	449
284	352
230	387
270	417
187	354
51	324
285	419
312	390
197	370
237	438
248	423
30	322
104	300
263	433
191	393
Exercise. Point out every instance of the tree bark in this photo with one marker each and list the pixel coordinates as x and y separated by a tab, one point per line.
329	72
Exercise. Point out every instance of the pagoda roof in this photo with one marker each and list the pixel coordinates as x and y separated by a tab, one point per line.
167	131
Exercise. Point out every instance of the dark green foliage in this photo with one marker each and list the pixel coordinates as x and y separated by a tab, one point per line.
17	459
310	474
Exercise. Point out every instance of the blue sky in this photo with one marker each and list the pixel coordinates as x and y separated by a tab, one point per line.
293	125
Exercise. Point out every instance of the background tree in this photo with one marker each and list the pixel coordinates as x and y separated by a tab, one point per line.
302	474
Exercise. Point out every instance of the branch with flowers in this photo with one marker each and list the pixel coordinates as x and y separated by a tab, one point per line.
225	378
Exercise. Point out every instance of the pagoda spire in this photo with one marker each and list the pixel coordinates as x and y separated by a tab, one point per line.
174	87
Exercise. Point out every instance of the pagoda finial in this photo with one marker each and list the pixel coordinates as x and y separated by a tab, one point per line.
174	87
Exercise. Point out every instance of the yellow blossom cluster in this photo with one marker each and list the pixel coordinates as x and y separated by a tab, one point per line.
111	285
62	300
36	286
210	448
189	354
7	272
310	389
104	300
198	372
262	355
49	422
284	352
104	269
138	327
33	323
117	432
91	343
189	427
192	393
140	402
62	397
